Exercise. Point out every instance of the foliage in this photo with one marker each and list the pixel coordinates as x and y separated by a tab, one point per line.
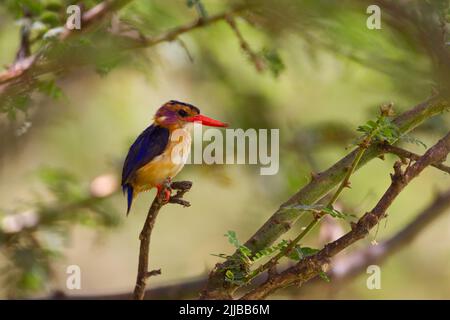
199	6
382	129
299	40
236	275
410	139
274	61
298	253
32	238
318	208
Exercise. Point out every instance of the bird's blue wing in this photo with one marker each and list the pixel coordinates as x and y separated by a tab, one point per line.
151	143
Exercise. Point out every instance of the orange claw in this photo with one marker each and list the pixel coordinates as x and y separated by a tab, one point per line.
161	189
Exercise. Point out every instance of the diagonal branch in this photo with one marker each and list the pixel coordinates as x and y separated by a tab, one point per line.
405	154
358	261
342	269
321	184
311	266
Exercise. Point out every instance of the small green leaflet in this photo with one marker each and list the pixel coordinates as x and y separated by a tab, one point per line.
229	274
410	139
324	276
382	129
232	238
319	208
50	89
273	61
199	6
334	213
298	253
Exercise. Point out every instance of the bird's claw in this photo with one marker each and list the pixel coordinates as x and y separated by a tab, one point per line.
165	190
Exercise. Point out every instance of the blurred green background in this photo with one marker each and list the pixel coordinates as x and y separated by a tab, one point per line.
326	73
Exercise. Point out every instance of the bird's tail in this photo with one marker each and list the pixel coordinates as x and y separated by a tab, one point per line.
128	189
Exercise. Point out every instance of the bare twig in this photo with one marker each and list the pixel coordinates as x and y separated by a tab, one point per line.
311	266
24	48
253	56
174	33
405	154
143	273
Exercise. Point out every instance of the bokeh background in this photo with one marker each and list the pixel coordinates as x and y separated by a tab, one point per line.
325	73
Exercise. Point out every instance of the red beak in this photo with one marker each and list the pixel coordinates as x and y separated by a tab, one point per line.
206	121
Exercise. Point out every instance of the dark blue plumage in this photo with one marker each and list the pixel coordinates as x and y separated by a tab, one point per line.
150	143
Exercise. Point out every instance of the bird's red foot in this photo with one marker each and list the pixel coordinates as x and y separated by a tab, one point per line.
163	193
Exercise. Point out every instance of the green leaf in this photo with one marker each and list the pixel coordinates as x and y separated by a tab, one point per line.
53	5
410	139
21	102
299	252
229	274
106	64
334	213
307	251
382	129
199	6
50	89
371	124
221	255
364	129
324	276
245	251
232	238
50	18
273	61
14	103
35	7
305	207
319	208
30	281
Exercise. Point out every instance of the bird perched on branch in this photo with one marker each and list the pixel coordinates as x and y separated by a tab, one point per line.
161	150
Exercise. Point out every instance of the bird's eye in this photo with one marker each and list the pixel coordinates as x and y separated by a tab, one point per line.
182	113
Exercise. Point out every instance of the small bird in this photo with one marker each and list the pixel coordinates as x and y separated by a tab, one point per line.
150	161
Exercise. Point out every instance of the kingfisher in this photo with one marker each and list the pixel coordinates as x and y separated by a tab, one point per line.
160	151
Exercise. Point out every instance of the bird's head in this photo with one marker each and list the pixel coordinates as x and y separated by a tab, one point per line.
176	114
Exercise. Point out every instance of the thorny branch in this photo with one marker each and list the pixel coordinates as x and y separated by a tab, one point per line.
345	183
357	262
321	184
342	269
279	223
311	266
143	273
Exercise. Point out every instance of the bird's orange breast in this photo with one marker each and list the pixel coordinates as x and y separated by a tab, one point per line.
168	164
